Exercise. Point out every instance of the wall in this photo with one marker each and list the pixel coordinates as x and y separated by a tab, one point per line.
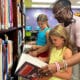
32	13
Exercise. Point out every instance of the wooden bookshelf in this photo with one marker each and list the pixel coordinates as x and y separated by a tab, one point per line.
12	31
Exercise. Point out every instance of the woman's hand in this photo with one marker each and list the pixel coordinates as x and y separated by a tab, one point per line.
45	72
52	68
49	68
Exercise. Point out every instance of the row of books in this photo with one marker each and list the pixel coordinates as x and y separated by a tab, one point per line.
6	14
6	58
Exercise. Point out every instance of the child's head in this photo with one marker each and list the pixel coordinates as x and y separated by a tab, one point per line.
42	21
59	36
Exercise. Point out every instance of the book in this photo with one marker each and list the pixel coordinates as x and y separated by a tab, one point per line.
19	41
28	66
6	58
10	53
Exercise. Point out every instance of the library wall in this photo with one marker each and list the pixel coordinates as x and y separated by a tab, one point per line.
32	13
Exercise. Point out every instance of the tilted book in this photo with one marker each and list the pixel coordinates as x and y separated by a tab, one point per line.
28	66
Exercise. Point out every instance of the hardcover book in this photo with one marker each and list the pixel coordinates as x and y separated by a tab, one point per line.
28	66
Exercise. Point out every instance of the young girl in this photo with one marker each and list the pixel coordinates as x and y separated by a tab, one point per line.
60	51
42	36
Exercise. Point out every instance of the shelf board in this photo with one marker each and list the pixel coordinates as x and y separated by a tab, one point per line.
8	30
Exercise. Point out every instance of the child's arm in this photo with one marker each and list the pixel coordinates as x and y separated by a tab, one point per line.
66	74
31	42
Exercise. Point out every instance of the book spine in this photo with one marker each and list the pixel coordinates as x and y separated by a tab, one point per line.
10	54
19	41
11	14
6	56
4	60
1	74
8	13
2	13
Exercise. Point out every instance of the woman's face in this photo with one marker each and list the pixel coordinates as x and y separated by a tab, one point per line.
42	25
57	41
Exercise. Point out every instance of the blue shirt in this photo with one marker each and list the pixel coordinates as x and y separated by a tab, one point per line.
41	37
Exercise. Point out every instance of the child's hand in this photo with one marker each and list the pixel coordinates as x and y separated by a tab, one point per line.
31	43
34	47
33	53
43	59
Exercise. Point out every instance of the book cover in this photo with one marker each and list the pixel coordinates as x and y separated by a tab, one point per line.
28	66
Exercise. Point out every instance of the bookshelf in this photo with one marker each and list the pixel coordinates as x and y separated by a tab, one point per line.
11	23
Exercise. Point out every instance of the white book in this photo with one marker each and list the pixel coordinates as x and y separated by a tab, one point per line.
28	65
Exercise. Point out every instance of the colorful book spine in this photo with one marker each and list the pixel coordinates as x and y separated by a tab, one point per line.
10	53
19	41
6	56
5	14
11	14
4	60
2	13
18	15
8	13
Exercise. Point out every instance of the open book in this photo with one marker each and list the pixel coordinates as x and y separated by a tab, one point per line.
28	66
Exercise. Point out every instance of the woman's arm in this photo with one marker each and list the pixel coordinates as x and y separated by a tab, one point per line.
31	42
75	59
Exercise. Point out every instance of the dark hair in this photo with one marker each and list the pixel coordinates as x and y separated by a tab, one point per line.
63	12
61	4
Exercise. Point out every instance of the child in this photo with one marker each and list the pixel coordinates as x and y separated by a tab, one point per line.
60	51
42	36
